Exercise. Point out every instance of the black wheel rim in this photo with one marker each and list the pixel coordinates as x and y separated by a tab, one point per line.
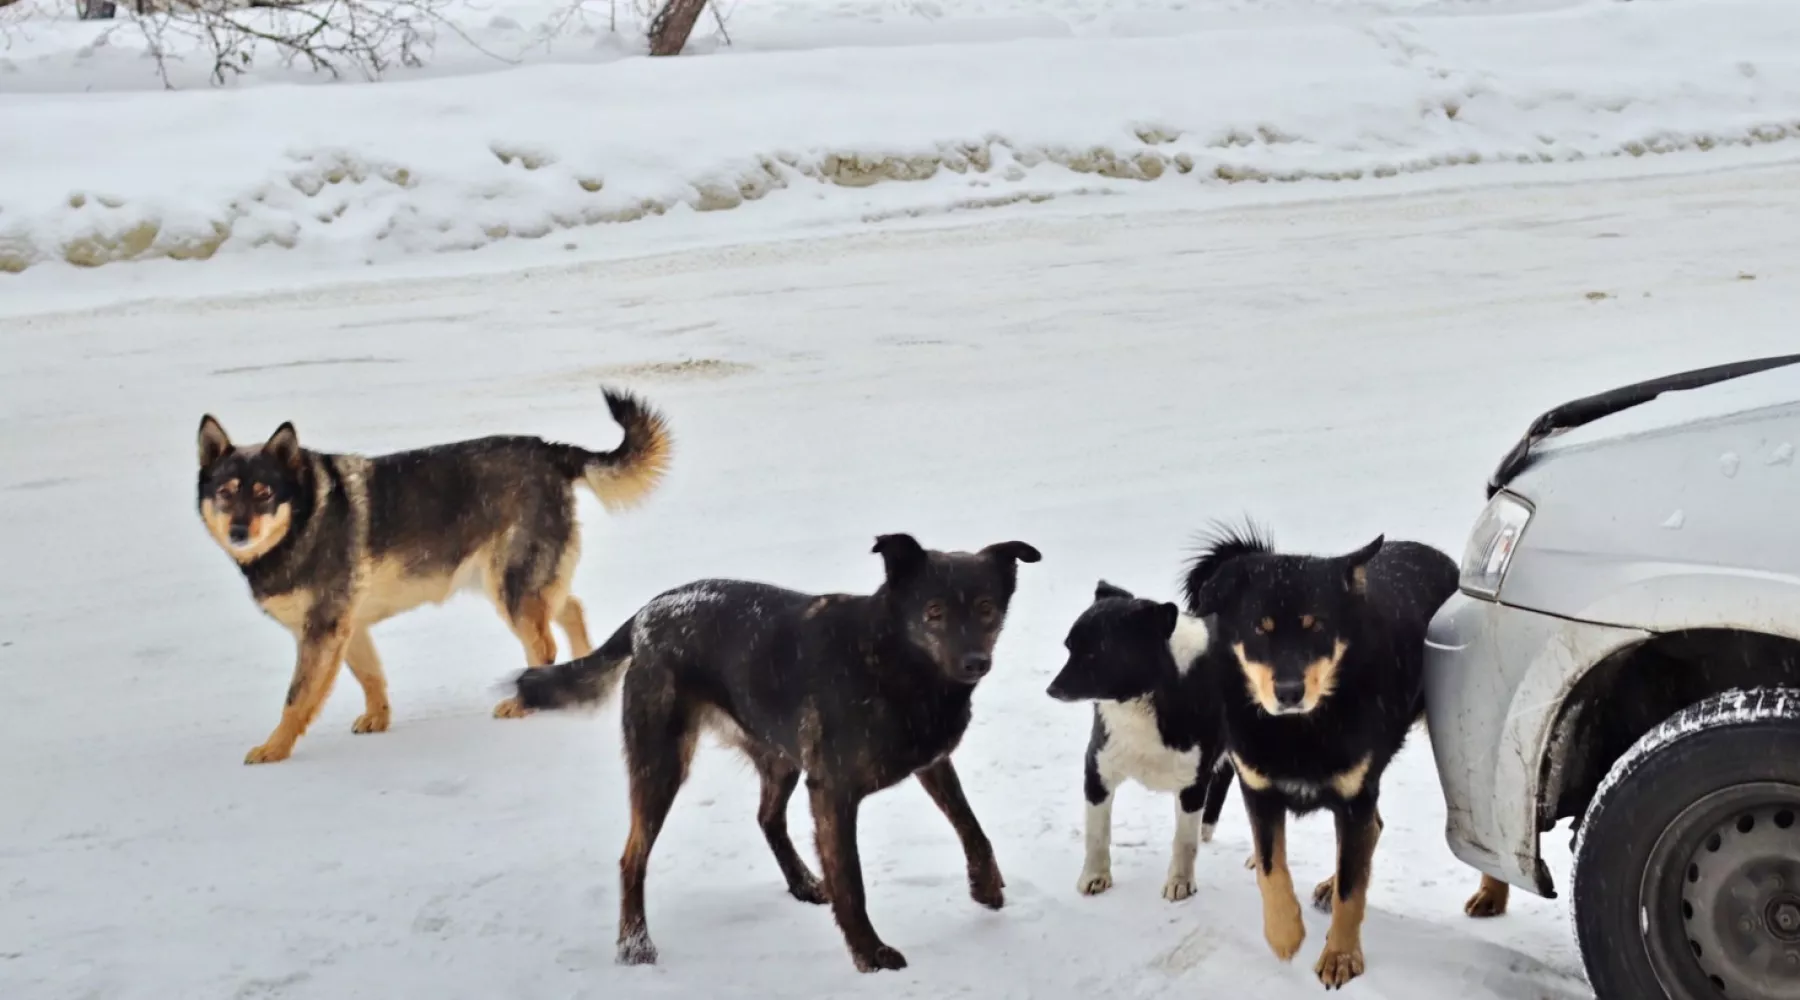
1720	898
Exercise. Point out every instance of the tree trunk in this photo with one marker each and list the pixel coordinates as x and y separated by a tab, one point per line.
670	28
98	10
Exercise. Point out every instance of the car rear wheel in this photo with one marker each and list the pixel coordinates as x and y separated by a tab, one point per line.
1687	867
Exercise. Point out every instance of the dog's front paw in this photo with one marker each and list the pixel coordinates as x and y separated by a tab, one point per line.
511	709
1338	966
1179	886
1283	929
878	958
636	949
1323	894
371	722
987	887
268	753
809	891
1093	883
1206	832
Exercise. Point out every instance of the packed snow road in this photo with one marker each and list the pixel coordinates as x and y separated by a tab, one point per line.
1100	387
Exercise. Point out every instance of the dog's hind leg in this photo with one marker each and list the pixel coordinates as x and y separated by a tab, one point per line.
529	617
834	823
779	779
365	666
315	668
1180	883
1326	891
659	745
1358	831
1490	900
985	883
574	624
1218	789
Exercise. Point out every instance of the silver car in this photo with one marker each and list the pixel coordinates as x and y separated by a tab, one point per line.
1625	653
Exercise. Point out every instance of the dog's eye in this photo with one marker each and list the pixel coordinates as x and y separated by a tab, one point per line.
984	609
228	489
1311	624
934	612
1265	626
262	492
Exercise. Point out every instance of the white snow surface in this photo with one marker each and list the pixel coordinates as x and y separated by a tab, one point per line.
576	157
1098	386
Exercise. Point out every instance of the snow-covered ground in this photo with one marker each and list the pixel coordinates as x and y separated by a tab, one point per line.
1098	386
570	159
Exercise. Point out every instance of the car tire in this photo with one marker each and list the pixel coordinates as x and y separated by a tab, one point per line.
1680	881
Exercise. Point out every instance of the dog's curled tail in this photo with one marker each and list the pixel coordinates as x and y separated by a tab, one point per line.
585	681
624	476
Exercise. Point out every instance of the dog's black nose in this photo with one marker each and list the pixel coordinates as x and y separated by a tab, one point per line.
977	664
240	533
1289	693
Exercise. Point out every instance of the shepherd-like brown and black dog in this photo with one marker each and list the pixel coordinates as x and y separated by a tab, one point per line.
332	544
858	693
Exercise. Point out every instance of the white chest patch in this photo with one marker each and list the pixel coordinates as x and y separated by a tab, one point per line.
1134	749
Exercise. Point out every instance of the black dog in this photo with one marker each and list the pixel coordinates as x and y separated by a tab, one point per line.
856	692
1155	722
1330	653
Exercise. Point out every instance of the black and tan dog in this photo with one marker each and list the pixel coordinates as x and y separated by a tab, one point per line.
333	544
855	692
1321	678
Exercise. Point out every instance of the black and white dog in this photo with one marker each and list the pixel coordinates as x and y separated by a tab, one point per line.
1155	722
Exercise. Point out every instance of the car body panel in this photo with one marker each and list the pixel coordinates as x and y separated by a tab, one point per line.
1677	514
1495	679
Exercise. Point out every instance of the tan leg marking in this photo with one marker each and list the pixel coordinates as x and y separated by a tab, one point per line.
1349	784
574	624
365	666
315	670
1490	900
1282	927
1342	959
532	626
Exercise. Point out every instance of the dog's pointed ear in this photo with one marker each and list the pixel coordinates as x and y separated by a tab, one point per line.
1166	615
284	446
1213	595
1016	551
900	553
214	442
1356	565
1104	590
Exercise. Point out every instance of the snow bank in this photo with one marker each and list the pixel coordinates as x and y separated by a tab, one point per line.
374	173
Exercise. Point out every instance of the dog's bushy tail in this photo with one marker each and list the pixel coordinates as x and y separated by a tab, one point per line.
589	680
624	476
1220	544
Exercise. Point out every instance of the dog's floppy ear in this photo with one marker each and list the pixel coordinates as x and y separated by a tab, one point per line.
284	446
900	553
1016	551
214	442
1356	565
1104	590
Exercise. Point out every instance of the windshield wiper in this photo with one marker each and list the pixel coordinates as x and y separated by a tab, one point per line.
1588	409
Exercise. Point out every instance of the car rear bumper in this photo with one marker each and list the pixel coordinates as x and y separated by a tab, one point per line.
1495	679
